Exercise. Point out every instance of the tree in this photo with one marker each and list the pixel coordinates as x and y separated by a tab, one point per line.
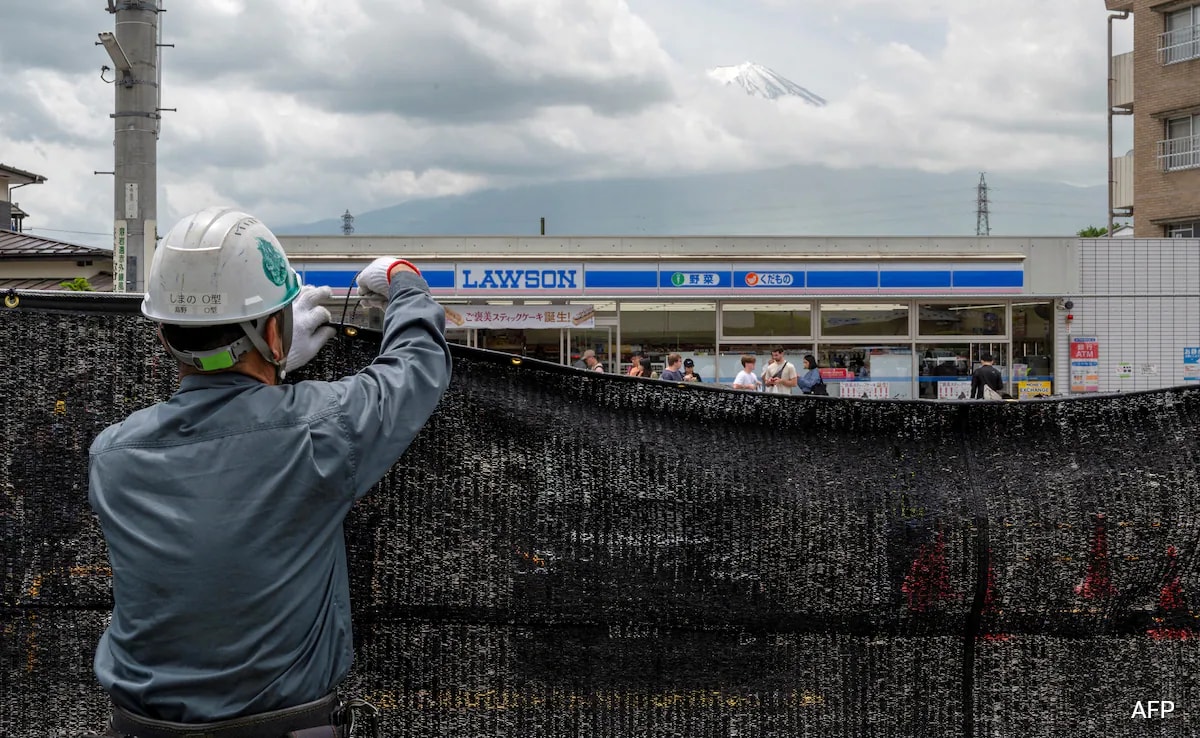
79	284
1093	232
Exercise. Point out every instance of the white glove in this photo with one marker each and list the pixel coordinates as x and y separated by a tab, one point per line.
373	282
309	325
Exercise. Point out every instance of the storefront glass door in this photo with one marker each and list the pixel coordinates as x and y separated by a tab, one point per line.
598	339
944	369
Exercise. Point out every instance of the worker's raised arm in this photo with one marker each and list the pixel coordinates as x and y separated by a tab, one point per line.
385	405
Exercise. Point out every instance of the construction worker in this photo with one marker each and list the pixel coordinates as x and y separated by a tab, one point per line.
222	507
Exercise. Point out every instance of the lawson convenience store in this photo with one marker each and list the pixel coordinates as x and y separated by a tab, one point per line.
882	320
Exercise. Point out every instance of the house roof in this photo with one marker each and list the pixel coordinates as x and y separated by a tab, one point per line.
15	245
21	174
102	282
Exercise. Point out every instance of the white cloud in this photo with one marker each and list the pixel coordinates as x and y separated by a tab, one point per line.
296	110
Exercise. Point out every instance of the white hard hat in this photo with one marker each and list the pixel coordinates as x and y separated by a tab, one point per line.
216	267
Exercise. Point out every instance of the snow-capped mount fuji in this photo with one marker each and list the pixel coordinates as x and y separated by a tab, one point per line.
760	81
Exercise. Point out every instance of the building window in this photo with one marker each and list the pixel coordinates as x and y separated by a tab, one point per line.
1181	40
864	319
1184	230
1181	149
960	320
767	320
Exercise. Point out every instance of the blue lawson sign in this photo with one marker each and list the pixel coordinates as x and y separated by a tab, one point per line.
520	279
1191	364
529	279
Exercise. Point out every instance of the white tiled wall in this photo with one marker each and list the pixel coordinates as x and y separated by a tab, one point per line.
1141	299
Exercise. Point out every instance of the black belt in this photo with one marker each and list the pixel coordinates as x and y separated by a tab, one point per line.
310	718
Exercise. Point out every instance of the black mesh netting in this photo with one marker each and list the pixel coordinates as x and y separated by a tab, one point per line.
566	554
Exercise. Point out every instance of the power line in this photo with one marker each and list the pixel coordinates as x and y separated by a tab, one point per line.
60	230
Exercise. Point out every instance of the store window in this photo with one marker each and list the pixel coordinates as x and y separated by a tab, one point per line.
600	338
944	369
765	320
1033	346
732	353
874	371
935	319
864	319
454	334
661	328
543	343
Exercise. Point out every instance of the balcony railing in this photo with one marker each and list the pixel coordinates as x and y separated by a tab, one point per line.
1179	153
1122	182
1179	45
1122	76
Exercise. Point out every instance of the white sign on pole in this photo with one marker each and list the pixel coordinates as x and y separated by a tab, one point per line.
131	201
120	255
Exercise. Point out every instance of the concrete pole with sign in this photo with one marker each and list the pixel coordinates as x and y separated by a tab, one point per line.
133	49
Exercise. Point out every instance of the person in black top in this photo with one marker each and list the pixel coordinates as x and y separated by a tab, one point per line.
689	371
986	376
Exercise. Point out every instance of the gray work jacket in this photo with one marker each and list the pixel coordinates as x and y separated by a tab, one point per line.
222	509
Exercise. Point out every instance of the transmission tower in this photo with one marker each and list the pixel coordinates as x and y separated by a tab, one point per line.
347	223
982	227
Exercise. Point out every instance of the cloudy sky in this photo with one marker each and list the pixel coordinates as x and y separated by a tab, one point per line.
296	110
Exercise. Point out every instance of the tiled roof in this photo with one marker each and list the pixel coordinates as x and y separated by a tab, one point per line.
15	245
21	173
102	282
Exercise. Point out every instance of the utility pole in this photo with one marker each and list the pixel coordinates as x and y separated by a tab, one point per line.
982	226
134	51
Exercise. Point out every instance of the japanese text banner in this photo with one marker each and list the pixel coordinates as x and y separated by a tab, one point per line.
520	316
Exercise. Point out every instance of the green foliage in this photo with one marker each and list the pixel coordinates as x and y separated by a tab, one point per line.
1093	232
79	284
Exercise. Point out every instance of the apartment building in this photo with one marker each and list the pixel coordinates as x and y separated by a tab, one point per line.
1158	83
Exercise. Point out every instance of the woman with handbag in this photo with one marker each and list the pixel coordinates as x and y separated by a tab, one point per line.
810	383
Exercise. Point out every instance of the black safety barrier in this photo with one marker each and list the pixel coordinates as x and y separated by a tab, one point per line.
563	553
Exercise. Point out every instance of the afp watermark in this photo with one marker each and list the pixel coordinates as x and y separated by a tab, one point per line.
1153	709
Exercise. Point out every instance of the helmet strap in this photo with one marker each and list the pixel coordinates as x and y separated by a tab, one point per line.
212	360
218	359
255	331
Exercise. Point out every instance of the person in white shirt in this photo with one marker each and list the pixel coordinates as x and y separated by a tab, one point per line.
746	378
780	375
